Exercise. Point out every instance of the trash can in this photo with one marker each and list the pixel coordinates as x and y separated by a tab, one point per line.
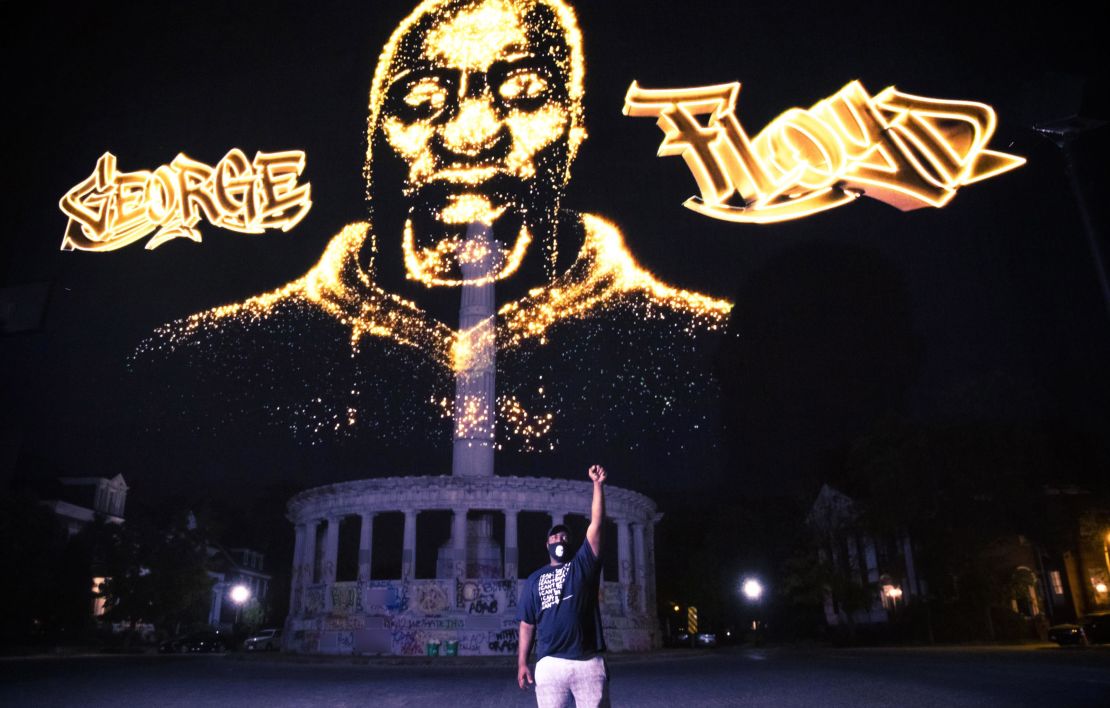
451	647
432	647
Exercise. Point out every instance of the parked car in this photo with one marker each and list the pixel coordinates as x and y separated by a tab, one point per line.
195	642
265	640
705	639
1088	629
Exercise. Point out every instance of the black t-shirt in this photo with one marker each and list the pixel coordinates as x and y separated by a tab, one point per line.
562	601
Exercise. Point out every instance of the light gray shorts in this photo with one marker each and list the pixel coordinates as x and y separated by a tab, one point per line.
558	680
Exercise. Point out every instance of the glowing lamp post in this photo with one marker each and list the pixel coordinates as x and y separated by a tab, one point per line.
752	590
239	594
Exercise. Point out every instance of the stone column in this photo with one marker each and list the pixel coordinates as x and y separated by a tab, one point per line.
365	546
640	564
458	540
298	574
216	608
408	550
625	573
512	554
649	567
331	556
309	565
556	519
331	550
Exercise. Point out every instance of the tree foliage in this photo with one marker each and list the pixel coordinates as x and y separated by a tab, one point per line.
155	565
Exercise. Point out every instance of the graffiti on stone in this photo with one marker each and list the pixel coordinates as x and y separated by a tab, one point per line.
311	642
610	598
431	598
345	623
633	597
504	642
408	634
473	642
314	599
433	624
483	570
614	641
346	598
387	596
485	597
345	641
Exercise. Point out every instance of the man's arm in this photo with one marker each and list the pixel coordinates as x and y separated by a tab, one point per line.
597	510
524	645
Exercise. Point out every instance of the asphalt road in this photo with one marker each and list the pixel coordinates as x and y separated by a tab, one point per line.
748	677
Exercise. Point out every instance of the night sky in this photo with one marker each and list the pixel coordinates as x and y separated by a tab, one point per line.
988	310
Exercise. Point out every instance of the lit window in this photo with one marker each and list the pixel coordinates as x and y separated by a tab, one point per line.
1057	583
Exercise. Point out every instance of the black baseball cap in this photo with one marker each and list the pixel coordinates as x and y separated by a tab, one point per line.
557	528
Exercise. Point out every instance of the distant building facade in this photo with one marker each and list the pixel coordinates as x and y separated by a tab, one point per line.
77	501
877	576
228	569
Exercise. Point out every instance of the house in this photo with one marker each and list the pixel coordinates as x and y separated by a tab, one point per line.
76	501
1076	559
868	577
239	581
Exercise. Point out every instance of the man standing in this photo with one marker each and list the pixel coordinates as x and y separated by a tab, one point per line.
560	600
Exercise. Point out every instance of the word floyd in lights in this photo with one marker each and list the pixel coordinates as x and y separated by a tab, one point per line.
112	209
908	151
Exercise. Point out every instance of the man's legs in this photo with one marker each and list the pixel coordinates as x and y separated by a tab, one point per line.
590	683
557	680
553	682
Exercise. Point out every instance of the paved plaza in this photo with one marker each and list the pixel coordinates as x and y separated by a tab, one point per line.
1027	676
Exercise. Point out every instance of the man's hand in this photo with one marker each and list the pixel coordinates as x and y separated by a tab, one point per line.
597	474
524	676
524	645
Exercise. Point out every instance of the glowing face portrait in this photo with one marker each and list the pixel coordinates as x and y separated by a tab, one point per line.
482	102
475	116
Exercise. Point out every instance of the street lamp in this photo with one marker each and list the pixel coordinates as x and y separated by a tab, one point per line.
239	595
752	589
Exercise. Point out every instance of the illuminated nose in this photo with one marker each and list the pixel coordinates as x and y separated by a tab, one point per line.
473	129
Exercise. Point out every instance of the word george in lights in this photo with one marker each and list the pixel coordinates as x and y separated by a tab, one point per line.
112	209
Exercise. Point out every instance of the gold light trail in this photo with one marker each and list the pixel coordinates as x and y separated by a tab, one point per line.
907	151
112	209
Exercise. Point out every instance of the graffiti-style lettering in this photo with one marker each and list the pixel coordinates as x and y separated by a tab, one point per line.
907	151
112	209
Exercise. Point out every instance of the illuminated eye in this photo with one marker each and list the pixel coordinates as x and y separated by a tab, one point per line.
427	95
523	86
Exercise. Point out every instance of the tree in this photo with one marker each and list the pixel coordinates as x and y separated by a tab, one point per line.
39	597
155	565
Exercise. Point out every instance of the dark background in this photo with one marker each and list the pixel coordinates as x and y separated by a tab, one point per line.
987	311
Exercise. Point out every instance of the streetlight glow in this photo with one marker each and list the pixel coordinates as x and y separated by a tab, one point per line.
752	589
240	594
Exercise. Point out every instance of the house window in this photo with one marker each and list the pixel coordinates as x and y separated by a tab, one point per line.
1057	583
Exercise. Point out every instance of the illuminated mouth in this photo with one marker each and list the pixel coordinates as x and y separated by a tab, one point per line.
467	175
469	208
